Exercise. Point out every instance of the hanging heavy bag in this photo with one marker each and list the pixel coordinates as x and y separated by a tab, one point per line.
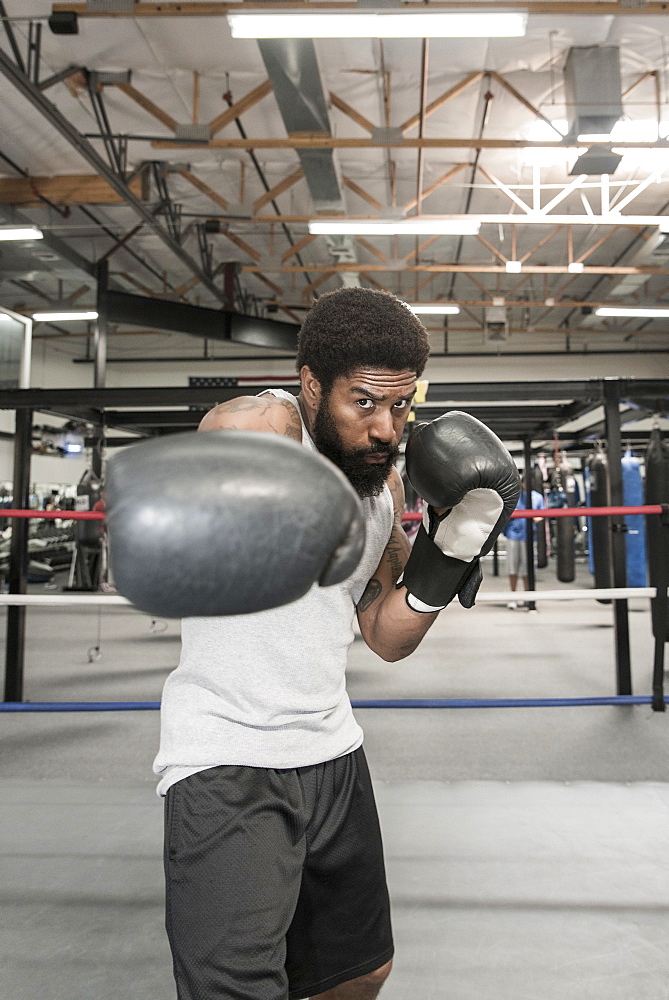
566	553
542	548
599	535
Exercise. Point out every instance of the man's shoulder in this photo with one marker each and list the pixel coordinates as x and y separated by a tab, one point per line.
269	413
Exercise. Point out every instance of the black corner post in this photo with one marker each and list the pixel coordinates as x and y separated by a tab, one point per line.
529	523
18	558
611	394
661	615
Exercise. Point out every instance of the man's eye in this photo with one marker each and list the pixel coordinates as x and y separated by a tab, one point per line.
365	404
402	404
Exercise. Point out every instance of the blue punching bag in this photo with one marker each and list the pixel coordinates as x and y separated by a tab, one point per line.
635	536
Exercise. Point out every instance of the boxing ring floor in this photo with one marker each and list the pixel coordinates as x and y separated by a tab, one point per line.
527	849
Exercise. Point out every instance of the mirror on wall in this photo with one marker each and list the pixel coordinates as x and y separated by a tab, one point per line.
15	345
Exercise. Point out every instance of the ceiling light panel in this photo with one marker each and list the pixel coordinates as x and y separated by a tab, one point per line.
21	233
49	317
640	312
399	227
400	24
434	309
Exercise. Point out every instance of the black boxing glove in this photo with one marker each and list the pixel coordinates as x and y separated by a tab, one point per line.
456	462
227	523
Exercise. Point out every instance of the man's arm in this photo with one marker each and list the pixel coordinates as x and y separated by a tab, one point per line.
388	625
255	413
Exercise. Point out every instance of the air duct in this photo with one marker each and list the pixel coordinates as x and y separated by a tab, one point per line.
593	89
293	71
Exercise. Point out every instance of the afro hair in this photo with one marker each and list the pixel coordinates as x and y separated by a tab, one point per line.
354	328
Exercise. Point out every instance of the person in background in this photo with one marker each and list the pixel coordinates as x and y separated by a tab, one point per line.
516	548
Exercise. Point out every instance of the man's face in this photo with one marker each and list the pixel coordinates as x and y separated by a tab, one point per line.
359	424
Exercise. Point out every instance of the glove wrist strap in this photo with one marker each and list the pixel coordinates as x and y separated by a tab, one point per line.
420	606
430	576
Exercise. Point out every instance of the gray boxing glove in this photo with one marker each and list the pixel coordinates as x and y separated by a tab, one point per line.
227	523
462	469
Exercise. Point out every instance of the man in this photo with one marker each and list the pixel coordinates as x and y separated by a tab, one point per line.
274	865
516	548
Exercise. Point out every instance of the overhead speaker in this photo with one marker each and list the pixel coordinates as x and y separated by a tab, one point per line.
64	22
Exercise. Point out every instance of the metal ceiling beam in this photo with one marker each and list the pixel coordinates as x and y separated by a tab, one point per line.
51	113
216	8
435	354
499	219
455	268
359	142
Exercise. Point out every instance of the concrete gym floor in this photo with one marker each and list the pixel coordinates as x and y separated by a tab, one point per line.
527	849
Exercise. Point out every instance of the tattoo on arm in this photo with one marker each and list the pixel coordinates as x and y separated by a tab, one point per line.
293	428
280	415
372	591
397	552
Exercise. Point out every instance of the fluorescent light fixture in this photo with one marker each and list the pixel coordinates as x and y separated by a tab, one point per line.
576	267
514	266
48	317
434	309
399	24
640	312
595	137
395	227
21	233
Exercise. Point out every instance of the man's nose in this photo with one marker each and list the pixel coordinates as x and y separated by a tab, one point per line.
382	429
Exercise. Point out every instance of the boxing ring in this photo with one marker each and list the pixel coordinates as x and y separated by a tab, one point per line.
619	596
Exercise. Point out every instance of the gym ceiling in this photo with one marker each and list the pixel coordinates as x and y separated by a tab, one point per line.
193	163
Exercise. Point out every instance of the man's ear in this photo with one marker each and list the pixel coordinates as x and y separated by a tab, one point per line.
311	387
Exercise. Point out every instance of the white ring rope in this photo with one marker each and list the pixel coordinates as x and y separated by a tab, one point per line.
494	597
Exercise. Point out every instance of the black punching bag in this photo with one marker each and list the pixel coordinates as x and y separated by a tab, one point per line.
564	532
542	553
600	535
89	491
657	534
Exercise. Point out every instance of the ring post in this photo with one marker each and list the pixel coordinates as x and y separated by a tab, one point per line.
611	393
529	525
18	558
661	624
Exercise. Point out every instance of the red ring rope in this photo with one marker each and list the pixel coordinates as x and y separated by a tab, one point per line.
62	515
95	515
570	512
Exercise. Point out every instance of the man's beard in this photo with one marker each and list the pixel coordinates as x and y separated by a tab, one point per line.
367	478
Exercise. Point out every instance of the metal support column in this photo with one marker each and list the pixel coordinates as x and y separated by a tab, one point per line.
529	523
100	368
102	325
660	610
611	394
18	558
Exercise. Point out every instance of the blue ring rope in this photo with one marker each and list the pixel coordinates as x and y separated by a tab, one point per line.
138	706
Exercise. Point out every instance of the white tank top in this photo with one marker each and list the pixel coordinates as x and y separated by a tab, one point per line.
268	689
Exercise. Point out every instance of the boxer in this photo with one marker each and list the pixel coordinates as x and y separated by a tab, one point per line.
276	887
